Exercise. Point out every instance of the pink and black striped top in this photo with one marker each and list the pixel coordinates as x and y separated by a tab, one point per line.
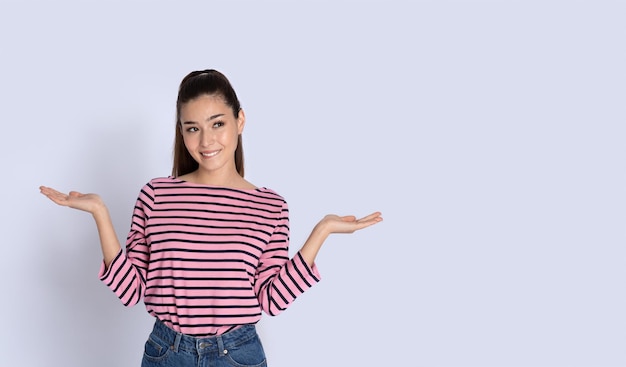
208	259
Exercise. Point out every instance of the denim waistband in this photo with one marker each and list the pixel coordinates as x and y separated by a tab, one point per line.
220	343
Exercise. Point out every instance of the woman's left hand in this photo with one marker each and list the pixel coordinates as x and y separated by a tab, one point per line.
349	223
334	224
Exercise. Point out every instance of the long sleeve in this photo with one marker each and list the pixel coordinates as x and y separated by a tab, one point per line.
280	280
126	275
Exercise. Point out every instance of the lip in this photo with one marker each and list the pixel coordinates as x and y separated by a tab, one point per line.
209	153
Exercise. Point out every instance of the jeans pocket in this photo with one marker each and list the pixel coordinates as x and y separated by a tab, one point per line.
248	354
155	349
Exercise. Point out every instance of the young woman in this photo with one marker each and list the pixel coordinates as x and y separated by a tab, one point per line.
207	250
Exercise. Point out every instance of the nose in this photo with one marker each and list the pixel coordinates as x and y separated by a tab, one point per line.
207	138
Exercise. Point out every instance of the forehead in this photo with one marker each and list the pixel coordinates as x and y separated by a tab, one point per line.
204	106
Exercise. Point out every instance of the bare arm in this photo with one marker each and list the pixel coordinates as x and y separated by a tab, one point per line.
94	205
334	224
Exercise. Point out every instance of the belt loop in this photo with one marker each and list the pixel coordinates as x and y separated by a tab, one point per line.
177	342
220	346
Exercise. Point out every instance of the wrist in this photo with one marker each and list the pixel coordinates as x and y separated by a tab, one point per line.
321	229
99	210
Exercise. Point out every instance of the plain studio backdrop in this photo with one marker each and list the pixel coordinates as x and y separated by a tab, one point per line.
489	133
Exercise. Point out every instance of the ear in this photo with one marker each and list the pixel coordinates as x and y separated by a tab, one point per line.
241	121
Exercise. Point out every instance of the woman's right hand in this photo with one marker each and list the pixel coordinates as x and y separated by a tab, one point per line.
90	203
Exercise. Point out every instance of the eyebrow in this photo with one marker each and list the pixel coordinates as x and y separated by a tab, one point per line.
209	119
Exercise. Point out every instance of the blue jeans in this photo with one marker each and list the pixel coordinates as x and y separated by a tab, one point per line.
168	348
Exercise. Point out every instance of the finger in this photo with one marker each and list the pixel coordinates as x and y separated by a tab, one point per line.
47	190
60	200
52	192
370	217
54	195
58	196
369	222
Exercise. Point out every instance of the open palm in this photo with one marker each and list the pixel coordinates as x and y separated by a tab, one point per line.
75	200
349	223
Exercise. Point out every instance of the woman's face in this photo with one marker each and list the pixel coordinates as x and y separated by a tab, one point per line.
210	132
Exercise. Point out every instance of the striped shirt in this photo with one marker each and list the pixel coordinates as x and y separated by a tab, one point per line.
207	259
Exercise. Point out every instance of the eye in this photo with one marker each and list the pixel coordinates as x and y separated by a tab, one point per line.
218	124
191	129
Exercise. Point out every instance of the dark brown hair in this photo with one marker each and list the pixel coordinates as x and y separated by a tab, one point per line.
196	84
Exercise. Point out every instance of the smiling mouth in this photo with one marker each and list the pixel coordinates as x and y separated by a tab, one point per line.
210	154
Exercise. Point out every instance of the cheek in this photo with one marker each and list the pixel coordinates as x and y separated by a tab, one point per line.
226	136
188	140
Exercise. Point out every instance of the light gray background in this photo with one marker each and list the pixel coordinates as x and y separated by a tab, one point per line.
489	133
